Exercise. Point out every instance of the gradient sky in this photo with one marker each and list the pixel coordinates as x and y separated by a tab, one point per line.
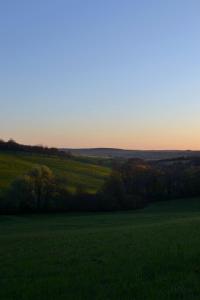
101	73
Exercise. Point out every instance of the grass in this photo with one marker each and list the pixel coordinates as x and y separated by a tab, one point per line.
148	254
89	175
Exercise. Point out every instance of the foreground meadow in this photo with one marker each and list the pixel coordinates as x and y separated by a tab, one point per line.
149	254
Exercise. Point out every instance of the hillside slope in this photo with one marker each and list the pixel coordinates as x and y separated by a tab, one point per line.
13	165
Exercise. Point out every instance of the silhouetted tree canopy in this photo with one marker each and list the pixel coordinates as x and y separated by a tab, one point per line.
13	146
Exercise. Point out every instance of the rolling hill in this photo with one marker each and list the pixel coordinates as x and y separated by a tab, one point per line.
76	172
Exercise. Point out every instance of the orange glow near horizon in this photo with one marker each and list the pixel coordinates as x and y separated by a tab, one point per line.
140	141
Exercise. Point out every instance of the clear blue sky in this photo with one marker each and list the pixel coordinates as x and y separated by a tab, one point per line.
91	73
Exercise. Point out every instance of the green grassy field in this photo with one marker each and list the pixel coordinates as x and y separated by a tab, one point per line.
148	254
89	175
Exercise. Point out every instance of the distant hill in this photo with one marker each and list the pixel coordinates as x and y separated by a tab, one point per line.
144	154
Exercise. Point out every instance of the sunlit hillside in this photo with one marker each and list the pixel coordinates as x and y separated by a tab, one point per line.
90	176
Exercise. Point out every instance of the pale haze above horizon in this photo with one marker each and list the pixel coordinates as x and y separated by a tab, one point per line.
110	73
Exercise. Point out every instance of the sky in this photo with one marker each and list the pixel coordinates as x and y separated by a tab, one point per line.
100	73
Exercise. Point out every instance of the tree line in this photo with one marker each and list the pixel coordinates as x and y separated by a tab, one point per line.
13	146
131	185
154	181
